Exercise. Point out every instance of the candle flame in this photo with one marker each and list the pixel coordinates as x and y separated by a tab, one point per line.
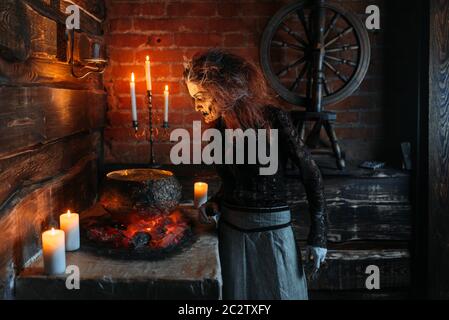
132	76
166	87
148	58
52	230
68	212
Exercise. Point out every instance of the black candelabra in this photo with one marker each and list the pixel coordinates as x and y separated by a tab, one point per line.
165	125
150	122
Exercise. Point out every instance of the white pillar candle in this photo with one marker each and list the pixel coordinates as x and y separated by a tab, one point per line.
148	73
132	86
166	104
200	193
53	247
69	223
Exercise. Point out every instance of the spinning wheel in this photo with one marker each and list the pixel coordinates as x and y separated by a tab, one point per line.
313	54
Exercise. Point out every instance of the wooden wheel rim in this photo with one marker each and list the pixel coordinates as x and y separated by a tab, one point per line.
357	77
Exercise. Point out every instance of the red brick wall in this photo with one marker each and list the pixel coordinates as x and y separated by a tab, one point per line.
168	31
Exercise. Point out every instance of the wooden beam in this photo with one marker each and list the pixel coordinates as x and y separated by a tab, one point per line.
43	35
94	9
354	190
87	25
15	31
48	72
33	116
345	269
359	222
438	141
41	164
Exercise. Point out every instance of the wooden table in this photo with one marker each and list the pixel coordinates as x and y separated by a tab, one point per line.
193	273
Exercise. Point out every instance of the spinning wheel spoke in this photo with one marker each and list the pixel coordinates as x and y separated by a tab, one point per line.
287	68
301	74
339	36
284	44
331	25
295	35
343	48
326	86
342	61
341	76
309	81
300	14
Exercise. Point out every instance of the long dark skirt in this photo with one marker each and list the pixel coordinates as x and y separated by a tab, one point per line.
258	255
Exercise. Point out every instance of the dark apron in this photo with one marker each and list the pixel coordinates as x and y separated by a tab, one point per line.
258	254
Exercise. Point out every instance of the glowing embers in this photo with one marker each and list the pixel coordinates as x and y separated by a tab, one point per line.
138	234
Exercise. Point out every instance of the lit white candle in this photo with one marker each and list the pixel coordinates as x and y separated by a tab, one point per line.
200	193
69	223
132	86
53	247
166	93
148	73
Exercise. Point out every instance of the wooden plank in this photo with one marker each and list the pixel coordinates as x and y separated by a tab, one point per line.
37	207
359	222
43	163
357	191
15	31
36	115
376	208
345	269
438	229
389	294
87	24
96	7
43	35
50	72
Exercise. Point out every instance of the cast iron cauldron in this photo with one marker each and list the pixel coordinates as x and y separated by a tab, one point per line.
142	190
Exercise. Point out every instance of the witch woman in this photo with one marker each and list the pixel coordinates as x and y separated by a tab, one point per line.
258	255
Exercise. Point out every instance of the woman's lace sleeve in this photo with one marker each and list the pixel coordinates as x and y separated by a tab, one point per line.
218	197
310	175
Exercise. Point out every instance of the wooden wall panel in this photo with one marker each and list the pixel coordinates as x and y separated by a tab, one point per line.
45	72
50	128
345	269
40	164
438	245
359	208
359	222
37	207
43	34
15	31
30	116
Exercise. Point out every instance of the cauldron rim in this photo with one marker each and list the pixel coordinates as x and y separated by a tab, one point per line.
152	174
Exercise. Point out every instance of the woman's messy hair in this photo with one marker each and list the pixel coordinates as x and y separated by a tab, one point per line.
237	86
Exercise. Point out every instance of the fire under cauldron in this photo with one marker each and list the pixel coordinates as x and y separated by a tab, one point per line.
143	219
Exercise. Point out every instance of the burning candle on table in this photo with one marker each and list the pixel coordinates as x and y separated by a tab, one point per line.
53	247
69	223
148	73
132	86
200	193
166	93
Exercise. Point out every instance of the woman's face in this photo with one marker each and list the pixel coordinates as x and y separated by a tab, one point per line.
204	103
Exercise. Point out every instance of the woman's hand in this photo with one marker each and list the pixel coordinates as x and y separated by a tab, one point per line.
316	256
208	213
